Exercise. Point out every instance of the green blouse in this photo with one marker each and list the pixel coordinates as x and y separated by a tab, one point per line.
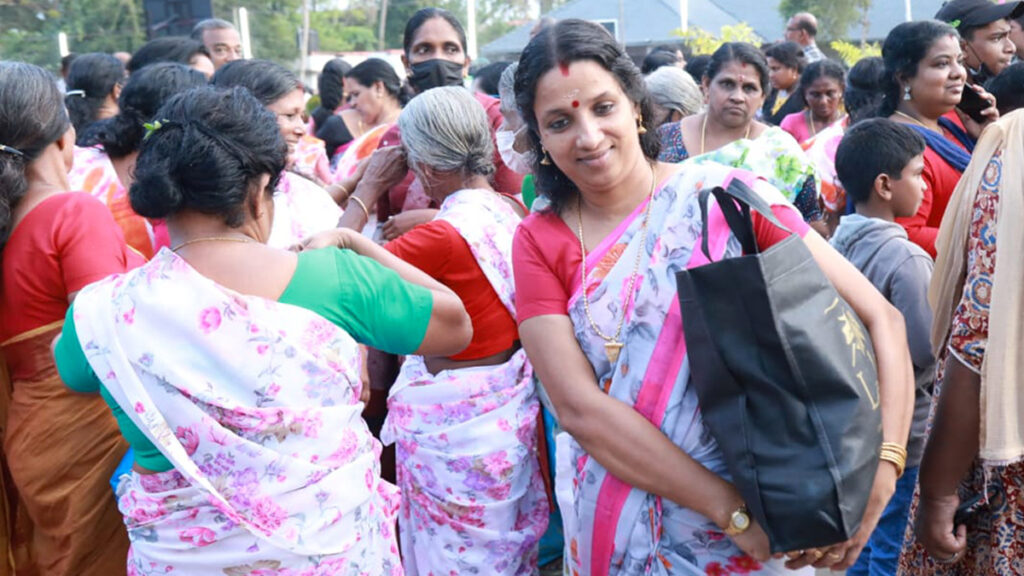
370	302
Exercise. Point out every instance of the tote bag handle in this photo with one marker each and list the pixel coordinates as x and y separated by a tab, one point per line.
738	218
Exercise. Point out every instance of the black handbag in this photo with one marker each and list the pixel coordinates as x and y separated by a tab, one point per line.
786	378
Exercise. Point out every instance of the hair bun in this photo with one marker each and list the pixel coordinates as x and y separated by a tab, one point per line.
155	192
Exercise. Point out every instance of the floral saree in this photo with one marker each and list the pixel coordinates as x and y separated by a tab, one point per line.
256	404
301	209
612	528
466	439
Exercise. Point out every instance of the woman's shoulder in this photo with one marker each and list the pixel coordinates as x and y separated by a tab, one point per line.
792	120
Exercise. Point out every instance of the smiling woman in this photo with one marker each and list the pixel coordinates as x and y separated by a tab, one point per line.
301	207
641	486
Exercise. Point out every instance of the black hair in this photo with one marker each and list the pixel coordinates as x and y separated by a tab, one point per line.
789	54
94	76
863	93
373	70
569	41
330	85
421	16
266	80
143	94
903	49
488	76
872	148
1008	88
657	59
66	62
822	69
743	53
697	66
32	117
167	49
212	147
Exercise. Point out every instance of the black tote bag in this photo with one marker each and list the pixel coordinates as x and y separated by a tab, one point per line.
786	378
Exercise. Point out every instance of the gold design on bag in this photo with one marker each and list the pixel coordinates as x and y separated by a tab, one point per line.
857	340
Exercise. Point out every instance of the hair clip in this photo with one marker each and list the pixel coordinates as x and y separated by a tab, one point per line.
75	93
10	150
152	127
955	24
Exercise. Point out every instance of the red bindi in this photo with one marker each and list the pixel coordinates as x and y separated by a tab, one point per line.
575	103
564	67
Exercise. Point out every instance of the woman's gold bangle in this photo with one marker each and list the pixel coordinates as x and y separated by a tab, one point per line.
361	205
894	454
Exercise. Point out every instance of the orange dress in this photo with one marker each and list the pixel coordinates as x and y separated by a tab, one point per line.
59	448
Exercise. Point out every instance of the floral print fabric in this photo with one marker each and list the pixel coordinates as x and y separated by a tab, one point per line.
301	209
611	527
256	404
466	439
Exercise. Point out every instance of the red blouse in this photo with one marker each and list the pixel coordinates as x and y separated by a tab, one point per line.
941	178
439	250
546	258
64	243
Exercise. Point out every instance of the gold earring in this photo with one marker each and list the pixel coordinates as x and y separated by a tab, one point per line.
546	160
640	125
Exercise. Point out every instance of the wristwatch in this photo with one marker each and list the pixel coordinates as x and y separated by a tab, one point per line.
738	522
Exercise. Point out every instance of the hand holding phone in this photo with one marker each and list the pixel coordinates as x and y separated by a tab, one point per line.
973	104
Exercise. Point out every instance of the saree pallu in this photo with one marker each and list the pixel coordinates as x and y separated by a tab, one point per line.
358	150
301	209
60	449
612	528
256	404
466	440
310	160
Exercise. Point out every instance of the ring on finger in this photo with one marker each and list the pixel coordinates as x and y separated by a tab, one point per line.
794	554
817	554
949	560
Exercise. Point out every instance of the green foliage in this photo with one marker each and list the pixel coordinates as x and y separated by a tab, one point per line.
851	53
835	18
28	29
703	42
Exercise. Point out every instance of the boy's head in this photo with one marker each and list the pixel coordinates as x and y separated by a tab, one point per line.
880	160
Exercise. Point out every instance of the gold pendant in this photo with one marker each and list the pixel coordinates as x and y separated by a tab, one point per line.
611	349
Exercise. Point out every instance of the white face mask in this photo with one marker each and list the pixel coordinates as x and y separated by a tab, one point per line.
516	161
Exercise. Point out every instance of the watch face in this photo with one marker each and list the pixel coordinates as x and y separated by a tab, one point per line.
741	521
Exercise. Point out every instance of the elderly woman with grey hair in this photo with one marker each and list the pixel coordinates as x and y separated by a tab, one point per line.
675	94
464	426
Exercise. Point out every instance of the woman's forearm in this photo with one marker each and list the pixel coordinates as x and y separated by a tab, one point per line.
953	444
450	329
624	442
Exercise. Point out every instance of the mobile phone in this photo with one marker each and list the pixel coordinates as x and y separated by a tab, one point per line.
966	510
972	104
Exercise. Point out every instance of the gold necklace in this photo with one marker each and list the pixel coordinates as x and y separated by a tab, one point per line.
914	120
612	345
704	132
242	239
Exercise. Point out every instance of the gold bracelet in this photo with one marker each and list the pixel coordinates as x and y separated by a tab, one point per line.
361	205
896	462
343	189
894	448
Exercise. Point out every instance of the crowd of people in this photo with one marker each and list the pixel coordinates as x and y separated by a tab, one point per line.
426	327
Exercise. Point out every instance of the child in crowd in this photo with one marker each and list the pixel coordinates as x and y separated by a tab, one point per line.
880	164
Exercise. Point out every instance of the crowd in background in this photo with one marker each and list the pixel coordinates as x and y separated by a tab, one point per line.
430	326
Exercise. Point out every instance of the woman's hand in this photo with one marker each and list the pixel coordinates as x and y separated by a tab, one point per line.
843	555
385	168
991	114
935	528
401	223
336	238
754	542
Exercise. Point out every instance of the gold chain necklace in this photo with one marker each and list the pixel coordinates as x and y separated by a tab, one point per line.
612	344
914	120
704	132
242	239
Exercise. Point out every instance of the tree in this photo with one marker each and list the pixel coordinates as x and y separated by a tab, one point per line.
835	18
703	42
